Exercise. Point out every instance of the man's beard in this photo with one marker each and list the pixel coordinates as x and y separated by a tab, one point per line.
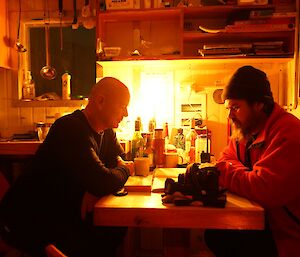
239	132
236	132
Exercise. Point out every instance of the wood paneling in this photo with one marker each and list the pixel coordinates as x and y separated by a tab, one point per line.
4	50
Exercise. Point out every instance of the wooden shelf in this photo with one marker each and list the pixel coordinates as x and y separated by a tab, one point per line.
175	32
139	14
50	103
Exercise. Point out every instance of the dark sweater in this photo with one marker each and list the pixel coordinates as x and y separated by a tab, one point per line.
73	159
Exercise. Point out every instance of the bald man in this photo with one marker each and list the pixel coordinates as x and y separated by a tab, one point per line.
79	161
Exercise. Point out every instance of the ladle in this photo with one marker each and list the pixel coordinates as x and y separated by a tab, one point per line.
20	48
86	13
60	8
47	72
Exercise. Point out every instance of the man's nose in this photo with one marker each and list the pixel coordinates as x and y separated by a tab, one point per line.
125	112
230	114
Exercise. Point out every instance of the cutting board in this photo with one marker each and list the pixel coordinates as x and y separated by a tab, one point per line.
168	172
160	175
139	183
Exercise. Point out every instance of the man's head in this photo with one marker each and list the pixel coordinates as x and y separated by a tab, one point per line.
249	99
108	103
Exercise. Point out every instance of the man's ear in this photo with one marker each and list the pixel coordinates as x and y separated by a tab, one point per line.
101	100
259	106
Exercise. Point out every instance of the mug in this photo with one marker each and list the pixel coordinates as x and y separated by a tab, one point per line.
141	166
172	159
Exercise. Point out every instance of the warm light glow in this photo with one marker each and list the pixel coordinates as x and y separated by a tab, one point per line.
155	98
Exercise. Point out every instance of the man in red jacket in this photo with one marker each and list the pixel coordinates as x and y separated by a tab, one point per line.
261	163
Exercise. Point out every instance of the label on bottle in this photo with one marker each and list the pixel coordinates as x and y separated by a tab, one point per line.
28	91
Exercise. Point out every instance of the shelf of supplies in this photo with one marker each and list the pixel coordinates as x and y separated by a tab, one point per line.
182	32
192	36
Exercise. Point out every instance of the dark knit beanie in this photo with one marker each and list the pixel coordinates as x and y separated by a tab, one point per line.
250	84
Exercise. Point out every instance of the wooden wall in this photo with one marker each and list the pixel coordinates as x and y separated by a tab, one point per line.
21	119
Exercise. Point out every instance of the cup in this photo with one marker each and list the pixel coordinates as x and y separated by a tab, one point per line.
172	159
42	130
141	166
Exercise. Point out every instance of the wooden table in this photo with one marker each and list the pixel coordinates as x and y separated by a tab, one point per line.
14	155
139	209
146	210
19	147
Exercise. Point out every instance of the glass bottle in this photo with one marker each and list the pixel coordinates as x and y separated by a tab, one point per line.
190	141
28	89
166	133
148	151
137	142
99	50
158	148
179	141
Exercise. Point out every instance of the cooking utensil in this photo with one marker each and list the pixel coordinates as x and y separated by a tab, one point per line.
60	8
19	46
47	72
86	13
86	9
75	20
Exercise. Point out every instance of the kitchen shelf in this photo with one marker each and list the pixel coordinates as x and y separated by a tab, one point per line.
138	15
191	36
177	30
50	103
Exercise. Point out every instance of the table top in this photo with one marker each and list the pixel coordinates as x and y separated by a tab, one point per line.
19	147
143	209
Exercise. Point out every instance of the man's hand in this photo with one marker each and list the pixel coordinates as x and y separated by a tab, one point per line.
88	203
128	164
221	166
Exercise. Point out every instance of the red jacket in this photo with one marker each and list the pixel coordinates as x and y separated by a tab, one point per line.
274	180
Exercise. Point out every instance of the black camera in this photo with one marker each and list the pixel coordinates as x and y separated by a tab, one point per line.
201	183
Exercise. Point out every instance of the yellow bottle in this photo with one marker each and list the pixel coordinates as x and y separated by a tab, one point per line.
66	86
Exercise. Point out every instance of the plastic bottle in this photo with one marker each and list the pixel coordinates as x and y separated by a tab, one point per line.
179	141
137	142
28	89
66	86
190	142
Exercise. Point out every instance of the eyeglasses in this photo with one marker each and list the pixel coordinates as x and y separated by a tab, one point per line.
234	108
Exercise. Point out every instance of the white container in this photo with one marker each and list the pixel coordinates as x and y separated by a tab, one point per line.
66	86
